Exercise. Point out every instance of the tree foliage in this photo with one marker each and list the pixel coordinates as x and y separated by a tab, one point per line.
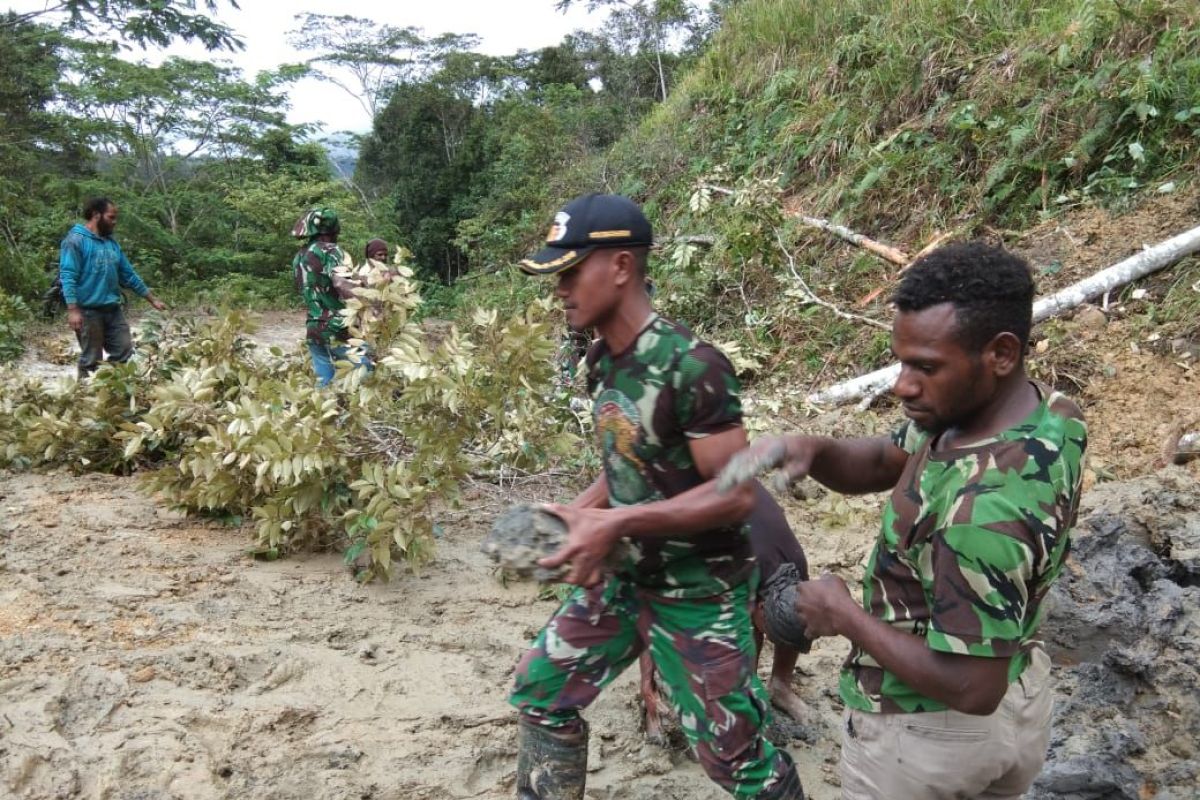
368	60
201	160
217	427
472	151
142	22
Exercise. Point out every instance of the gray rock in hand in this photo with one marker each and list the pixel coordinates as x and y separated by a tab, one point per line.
522	535
748	465
784	624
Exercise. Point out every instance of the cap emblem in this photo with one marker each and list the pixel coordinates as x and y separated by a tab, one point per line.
558	231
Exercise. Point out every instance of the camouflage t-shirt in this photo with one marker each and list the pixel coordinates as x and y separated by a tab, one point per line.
313	269
664	390
971	541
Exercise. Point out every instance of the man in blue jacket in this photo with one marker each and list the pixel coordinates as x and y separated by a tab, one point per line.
92	269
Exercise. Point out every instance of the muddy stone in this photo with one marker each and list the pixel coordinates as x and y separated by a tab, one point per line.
525	533
750	464
1124	628
1091	318
522	535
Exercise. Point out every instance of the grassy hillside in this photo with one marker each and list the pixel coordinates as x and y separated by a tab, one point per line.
909	114
904	119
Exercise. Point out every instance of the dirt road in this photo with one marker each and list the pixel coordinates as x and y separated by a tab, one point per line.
144	656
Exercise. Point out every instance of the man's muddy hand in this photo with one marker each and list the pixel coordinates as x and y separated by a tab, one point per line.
822	604
788	454
590	538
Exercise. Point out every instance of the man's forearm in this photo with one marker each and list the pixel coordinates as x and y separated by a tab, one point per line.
701	508
595	496
68	279
940	676
849	466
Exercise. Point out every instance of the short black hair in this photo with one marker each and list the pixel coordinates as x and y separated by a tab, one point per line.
641	260
95	207
990	288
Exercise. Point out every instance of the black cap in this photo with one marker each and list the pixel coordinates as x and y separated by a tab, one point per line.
586	224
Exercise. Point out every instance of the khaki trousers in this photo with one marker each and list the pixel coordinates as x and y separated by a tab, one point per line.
948	755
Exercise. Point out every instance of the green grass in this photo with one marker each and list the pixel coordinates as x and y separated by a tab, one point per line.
902	119
908	115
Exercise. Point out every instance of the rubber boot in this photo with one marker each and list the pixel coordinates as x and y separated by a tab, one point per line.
788	787
549	767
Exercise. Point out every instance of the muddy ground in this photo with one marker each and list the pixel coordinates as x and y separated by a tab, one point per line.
145	656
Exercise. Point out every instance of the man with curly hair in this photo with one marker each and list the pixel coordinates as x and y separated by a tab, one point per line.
92	270
946	687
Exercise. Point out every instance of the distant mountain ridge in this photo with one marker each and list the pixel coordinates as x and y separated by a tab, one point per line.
343	154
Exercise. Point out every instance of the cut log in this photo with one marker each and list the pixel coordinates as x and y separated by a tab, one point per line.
893	254
1151	259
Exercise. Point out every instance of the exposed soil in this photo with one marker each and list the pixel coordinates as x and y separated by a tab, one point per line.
144	655
1125	630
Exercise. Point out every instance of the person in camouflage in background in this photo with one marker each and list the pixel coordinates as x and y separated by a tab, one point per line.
323	291
668	416
946	687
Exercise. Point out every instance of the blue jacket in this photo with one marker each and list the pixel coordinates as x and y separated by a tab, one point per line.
93	269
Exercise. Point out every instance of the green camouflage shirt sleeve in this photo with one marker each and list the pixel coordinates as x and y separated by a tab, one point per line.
707	393
909	438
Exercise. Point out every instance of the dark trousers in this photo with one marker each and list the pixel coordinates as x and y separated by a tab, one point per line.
104	331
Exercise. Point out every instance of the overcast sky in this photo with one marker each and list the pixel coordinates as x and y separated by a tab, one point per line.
504	26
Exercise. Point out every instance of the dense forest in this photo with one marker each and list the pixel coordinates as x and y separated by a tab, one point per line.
462	158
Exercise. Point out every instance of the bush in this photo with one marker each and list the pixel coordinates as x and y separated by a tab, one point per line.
218	427
14	316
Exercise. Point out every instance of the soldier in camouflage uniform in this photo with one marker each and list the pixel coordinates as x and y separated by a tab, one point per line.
668	416
324	292
946	686
779	556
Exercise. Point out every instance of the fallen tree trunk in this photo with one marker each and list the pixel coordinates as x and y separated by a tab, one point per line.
1151	259
893	254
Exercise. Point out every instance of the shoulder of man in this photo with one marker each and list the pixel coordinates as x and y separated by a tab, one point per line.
665	342
327	247
1062	432
696	358
323	252
73	237
1062	406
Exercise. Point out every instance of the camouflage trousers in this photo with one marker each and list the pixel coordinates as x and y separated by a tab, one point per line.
704	651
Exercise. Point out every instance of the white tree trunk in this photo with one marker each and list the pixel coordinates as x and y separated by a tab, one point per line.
893	254
1151	259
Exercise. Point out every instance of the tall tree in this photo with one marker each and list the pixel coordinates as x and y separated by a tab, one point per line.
645	27
366	59
143	22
